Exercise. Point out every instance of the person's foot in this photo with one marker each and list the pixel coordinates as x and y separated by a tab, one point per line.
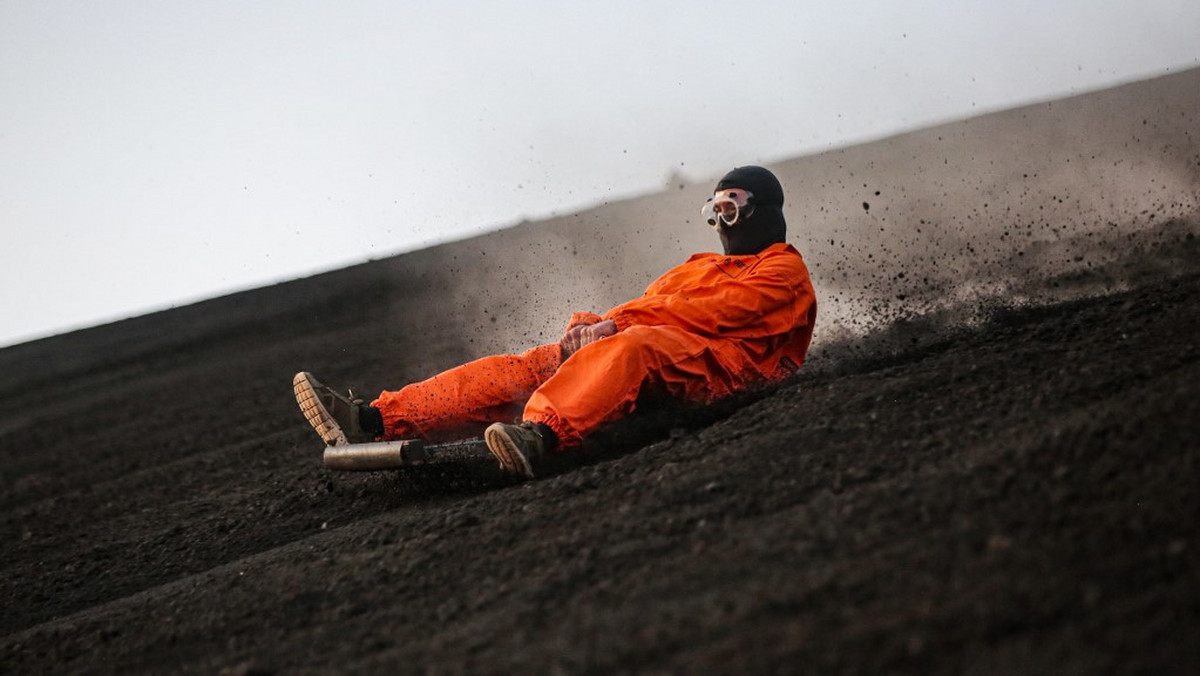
335	417
516	447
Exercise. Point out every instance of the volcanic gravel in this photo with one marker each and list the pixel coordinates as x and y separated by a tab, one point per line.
1015	497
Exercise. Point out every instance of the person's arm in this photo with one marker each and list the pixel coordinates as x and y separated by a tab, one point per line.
583	318
771	299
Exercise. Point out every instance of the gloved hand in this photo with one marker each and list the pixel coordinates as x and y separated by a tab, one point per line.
585	334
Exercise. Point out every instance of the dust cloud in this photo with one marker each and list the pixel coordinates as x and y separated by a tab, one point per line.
1034	204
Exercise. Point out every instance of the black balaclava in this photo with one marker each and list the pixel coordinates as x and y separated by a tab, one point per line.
765	226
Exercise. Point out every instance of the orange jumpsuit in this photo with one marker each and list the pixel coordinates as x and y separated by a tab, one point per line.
707	328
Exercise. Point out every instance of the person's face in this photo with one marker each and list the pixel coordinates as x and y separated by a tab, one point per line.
728	212
727	207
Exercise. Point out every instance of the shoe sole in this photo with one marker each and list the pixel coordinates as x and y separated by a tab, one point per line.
502	446
315	412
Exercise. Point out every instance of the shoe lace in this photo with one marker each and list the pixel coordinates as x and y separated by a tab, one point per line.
533	427
526	425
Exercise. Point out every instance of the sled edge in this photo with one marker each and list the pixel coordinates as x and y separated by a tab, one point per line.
375	456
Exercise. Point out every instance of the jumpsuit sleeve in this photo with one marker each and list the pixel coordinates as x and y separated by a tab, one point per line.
583	318
773	298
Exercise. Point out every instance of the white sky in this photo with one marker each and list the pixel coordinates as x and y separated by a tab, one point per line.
155	152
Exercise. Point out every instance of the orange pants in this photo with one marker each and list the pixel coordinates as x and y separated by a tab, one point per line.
598	384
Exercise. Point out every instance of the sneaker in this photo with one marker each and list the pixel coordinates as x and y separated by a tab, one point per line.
334	416
516	447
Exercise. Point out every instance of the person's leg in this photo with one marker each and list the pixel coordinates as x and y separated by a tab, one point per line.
601	382
460	402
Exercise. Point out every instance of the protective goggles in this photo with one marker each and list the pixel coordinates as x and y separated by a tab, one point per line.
727	207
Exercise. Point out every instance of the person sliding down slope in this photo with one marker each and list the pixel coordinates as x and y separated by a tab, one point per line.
710	327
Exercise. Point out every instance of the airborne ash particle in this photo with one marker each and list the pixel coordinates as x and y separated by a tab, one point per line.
866	206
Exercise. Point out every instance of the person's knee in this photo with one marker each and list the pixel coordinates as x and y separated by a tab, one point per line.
642	349
655	342
633	342
639	337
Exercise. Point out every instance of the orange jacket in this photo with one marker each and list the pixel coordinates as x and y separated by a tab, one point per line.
762	305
